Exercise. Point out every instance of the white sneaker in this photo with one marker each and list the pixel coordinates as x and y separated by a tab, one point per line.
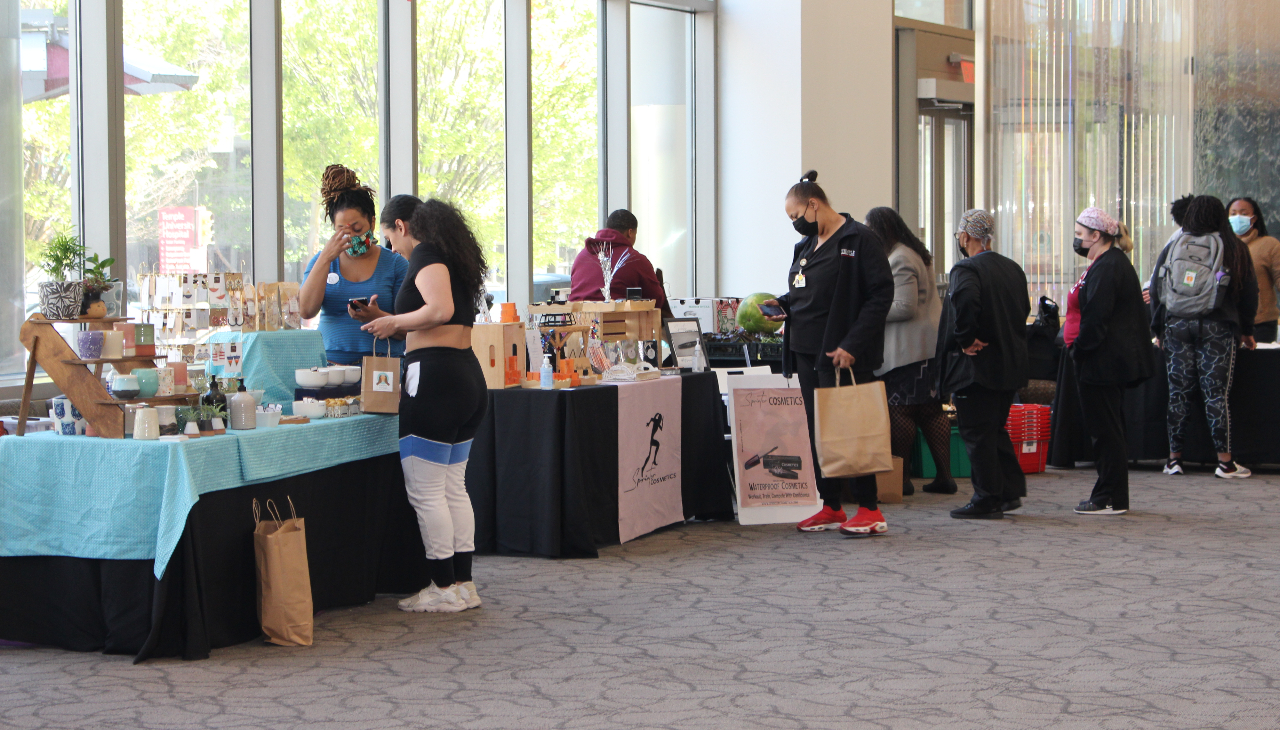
434	600
467	591
1238	473
1173	466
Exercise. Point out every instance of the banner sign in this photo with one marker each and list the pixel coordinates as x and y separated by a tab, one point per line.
648	457
180	249
771	447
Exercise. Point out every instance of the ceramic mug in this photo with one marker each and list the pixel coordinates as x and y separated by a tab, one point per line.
90	344
125	387
166	381
148	381
112	345
81	423
63	422
146	425
168	420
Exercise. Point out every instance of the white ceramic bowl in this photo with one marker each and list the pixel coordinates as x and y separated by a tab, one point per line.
336	375
311	378
257	396
268	419
310	410
352	373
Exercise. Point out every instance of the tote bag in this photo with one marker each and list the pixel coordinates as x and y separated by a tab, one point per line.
284	579
380	382
851	429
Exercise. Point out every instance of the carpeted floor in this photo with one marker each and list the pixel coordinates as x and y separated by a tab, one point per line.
1164	618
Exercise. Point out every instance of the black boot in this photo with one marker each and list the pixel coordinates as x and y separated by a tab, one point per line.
941	486
908	488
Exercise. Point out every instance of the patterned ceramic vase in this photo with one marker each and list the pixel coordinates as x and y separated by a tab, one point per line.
63	422
166	381
148	381
90	345
61	299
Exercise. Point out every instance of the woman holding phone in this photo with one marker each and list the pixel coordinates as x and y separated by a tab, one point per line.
839	294
352	280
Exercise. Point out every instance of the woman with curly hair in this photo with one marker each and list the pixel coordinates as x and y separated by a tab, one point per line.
352	278
443	395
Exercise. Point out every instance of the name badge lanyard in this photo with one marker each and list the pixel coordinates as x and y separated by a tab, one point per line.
798	282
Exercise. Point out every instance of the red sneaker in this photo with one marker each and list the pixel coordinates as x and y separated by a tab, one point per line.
865	522
827	519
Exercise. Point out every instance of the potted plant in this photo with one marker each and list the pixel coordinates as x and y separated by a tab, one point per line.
208	418
63	261
187	415
96	284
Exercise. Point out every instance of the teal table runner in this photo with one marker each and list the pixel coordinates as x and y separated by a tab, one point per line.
124	499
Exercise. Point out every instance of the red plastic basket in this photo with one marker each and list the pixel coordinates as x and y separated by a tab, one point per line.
1028	428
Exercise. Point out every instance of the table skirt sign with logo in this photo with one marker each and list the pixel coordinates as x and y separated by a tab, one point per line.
772	459
649	434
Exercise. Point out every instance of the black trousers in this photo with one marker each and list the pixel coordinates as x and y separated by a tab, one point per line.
981	414
1265	331
816	371
1102	407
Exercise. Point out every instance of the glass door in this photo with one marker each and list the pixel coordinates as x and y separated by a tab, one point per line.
946	183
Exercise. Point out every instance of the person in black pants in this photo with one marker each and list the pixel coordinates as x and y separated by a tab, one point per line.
1107	339
983	343
839	296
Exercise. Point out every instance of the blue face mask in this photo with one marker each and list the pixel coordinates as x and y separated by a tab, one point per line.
1241	224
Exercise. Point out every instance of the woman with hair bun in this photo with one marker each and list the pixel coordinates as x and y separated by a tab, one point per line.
443	394
352	280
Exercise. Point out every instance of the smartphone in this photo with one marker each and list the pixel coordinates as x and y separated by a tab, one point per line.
772	310
362	301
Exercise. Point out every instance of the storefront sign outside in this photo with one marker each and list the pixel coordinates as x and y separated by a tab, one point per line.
181	251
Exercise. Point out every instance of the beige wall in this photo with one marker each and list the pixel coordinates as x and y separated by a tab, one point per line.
847	120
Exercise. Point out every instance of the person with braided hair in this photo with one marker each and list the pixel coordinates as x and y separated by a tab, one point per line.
352	280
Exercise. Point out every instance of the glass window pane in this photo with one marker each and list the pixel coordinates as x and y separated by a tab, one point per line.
36	166
927	233
330	110
186	107
462	142
956	13
565	132
660	165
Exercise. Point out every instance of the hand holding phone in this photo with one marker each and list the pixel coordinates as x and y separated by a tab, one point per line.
773	311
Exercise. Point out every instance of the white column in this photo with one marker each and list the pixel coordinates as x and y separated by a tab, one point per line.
983	184
267	139
97	127
615	92
398	98
704	155
517	86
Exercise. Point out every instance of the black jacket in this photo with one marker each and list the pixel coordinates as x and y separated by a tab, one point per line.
987	301
1238	311
1114	344
860	304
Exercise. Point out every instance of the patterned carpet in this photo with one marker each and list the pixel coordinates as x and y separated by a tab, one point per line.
1163	618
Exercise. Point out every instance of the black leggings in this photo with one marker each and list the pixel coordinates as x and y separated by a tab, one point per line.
443	396
936	427
1201	355
815	371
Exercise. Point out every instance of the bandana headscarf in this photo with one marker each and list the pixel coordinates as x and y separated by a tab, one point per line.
1098	220
978	223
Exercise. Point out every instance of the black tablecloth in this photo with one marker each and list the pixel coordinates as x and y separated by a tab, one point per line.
543	475
542	478
1255	416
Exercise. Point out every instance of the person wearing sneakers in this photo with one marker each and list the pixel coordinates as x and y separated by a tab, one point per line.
983	343
1105	334
1204	299
443	394
841	288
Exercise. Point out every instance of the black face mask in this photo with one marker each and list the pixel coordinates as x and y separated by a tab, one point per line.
963	253
804	226
1080	250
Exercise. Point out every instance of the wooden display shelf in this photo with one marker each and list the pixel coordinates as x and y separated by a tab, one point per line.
122	365
188	397
81	320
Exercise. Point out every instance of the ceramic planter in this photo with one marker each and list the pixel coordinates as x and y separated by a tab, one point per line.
61	299
125	387
148	381
90	345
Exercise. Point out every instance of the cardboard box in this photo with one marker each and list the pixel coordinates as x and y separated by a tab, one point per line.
889	484
727	314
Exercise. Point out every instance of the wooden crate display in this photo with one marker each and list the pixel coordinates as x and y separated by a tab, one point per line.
493	343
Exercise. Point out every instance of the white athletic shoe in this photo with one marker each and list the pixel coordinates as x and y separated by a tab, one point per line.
467	591
1238	473
1173	467
434	600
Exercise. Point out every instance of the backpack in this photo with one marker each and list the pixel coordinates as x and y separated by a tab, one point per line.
1192	275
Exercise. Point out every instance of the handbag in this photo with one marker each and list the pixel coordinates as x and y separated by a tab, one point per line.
380	382
851	429
284	579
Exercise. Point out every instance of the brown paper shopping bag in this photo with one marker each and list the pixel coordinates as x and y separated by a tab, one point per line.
380	382
851	429
284	580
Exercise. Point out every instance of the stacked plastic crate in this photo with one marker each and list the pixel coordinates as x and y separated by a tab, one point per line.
1028	427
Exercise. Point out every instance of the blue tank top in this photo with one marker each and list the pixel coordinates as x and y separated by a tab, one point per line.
344	341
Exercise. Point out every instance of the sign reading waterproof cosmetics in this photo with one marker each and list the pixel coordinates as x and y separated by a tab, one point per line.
775	463
648	457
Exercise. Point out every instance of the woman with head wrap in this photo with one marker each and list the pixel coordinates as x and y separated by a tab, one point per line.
1105	334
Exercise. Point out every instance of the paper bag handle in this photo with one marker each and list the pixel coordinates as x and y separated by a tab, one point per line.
851	379
375	346
273	511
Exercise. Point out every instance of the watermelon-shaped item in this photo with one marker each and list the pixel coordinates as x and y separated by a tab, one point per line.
750	318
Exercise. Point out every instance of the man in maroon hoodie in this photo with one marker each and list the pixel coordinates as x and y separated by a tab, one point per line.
587	278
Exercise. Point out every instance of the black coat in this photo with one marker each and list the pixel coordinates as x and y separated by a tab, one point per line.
860	303
987	301
1114	344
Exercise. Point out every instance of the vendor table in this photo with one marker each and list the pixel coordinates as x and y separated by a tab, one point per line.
145	547
269	359
1254	399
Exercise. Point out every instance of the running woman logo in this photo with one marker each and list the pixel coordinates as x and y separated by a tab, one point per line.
648	473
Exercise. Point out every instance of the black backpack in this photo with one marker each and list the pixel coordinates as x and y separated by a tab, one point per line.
1043	348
